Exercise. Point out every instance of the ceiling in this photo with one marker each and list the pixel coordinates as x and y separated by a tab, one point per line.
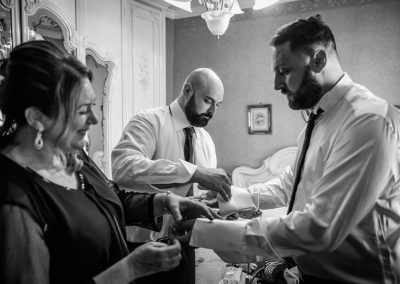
176	13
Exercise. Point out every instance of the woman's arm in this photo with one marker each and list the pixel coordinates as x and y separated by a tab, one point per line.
23	252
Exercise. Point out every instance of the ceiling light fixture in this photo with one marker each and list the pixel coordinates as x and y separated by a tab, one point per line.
219	12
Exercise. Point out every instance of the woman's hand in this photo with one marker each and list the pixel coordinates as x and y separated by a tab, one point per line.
147	259
153	257
190	209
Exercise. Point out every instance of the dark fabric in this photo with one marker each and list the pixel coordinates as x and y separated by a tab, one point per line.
307	279
307	137
188	150
82	228
134	209
183	274
81	234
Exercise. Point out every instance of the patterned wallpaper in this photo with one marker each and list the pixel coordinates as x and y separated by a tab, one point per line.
367	33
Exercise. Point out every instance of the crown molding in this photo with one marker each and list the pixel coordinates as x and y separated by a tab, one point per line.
160	4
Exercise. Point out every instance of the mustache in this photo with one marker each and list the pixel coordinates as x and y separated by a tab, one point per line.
208	115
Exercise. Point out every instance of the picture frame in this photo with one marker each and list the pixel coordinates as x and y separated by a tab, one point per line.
259	119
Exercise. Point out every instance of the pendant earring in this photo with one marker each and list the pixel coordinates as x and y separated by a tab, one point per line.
38	141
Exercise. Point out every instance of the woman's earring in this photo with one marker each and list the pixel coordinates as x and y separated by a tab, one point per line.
39	140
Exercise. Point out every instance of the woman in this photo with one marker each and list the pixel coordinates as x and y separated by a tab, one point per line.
59	222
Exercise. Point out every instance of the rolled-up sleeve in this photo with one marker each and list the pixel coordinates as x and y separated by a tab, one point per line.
133	166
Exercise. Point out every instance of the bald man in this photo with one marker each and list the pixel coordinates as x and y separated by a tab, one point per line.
151	154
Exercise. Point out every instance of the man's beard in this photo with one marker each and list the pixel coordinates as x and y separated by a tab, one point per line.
199	120
308	94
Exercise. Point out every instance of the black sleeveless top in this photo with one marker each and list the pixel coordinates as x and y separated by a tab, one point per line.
82	228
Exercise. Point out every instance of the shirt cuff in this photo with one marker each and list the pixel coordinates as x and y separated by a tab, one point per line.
189	167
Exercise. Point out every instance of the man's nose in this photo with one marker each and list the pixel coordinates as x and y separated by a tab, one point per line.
212	109
279	83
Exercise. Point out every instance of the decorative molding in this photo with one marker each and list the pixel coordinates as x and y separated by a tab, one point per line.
31	7
7	3
15	24
107	60
279	9
131	52
104	59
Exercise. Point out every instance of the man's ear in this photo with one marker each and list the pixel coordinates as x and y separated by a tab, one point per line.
187	89
35	118
318	61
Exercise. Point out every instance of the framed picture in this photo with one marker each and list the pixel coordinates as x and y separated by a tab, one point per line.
259	119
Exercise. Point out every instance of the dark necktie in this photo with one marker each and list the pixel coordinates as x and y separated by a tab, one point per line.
188	150
307	137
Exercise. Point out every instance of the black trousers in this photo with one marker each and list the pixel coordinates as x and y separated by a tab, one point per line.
183	274
308	279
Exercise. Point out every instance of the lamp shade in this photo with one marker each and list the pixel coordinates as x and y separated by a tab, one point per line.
217	21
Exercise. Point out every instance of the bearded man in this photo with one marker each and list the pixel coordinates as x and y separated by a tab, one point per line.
343	192
168	148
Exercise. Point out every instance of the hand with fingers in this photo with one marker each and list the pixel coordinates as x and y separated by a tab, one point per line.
147	259
189	209
185	211
153	257
182	231
214	179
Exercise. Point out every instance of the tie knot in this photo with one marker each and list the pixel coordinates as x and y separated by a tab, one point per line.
189	131
314	116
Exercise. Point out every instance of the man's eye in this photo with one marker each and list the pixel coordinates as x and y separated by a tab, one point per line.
284	72
84	111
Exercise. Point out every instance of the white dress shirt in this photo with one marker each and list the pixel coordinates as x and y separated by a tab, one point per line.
151	151
345	223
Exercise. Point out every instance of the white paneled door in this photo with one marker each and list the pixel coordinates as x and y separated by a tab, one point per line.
143	58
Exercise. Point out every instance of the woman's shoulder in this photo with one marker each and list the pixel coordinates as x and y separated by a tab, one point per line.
15	181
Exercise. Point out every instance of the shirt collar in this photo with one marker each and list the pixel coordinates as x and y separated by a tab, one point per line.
178	116
335	95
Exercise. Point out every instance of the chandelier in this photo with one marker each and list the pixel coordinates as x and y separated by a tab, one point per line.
219	12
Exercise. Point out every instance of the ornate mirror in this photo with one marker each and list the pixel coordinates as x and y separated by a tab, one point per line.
9	27
102	68
43	20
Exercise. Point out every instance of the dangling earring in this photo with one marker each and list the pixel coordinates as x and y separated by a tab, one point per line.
39	140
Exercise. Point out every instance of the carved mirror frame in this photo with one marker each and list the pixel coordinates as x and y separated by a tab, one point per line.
9	24
106	61
44	9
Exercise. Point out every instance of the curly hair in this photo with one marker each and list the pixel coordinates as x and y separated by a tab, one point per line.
304	32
